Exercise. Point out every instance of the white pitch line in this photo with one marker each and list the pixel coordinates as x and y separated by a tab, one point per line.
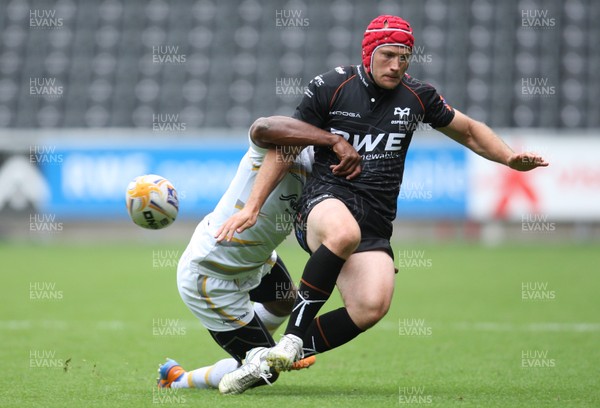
386	325
14	325
529	327
578	327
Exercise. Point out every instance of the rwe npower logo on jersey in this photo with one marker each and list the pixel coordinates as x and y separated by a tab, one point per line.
366	144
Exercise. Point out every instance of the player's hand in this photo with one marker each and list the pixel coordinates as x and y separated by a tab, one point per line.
238	222
349	165
526	161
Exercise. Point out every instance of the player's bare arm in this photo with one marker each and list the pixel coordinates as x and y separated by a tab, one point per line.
482	140
271	172
284	131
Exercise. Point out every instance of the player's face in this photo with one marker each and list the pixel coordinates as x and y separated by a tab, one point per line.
390	62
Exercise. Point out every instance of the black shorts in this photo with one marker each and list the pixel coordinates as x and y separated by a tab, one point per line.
375	230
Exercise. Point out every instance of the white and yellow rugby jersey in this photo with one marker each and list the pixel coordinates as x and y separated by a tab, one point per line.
249	251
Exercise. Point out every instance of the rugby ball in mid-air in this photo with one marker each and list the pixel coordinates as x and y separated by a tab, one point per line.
152	202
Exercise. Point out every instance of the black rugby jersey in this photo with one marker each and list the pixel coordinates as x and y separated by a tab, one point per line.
379	124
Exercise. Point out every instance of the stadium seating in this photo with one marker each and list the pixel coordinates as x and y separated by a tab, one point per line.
231	56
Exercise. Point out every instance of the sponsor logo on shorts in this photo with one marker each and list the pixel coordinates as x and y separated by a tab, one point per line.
234	319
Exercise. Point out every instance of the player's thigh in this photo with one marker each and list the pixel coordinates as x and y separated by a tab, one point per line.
221	305
332	224
366	284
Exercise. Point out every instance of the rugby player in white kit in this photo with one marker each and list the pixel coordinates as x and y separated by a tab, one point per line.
239	288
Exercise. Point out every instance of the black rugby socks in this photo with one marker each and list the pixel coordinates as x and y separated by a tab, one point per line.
329	331
317	283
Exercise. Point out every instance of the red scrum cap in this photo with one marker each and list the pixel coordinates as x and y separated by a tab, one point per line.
385	30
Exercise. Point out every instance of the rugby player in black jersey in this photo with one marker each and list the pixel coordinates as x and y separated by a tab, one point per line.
346	224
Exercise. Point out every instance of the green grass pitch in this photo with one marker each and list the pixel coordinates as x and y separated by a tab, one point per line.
512	326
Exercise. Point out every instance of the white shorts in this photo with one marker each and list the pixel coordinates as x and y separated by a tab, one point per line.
220	305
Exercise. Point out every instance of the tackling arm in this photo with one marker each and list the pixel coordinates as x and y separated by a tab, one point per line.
482	140
283	131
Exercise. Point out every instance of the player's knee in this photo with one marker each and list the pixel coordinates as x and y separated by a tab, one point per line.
374	315
343	241
366	314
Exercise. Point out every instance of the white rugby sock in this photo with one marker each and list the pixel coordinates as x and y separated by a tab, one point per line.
271	321
206	377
